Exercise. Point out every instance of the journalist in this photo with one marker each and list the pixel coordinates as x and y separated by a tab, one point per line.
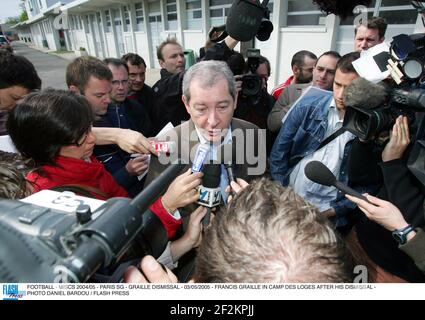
387	169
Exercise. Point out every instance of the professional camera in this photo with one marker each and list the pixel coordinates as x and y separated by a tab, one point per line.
252	82
378	111
41	244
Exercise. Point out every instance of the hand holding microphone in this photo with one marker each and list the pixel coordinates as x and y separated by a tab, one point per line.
182	191
235	188
319	173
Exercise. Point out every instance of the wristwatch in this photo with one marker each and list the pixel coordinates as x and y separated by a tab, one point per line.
400	235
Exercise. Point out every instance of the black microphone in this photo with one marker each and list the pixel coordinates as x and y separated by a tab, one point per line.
244	19
209	191
319	173
227	157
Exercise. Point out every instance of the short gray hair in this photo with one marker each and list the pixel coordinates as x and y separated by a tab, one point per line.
209	72
270	234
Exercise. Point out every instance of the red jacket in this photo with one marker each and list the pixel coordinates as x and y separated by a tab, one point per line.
71	171
278	90
77	172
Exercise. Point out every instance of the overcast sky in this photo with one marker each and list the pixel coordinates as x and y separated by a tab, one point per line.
9	8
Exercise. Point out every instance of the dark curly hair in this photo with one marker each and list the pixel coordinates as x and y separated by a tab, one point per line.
46	121
17	71
343	9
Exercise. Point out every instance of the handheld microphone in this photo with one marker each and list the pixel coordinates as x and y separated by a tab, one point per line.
319	173
228	158
209	191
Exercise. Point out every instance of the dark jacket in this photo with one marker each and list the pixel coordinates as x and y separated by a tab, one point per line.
146	99
398	186
129	115
168	91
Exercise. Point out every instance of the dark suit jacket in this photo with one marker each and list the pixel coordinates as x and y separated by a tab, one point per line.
187	140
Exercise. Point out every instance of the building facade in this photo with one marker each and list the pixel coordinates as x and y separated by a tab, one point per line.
111	28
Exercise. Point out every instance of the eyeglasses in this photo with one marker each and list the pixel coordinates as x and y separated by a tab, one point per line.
83	138
117	83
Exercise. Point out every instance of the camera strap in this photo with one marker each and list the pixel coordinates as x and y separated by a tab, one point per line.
331	137
295	161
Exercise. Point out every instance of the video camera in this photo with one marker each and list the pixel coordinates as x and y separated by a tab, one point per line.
404	96
40	244
252	83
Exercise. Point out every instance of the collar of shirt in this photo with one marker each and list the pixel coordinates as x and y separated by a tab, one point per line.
334	111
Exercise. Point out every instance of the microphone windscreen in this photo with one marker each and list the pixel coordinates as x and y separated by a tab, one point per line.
319	173
211	178
244	19
365	94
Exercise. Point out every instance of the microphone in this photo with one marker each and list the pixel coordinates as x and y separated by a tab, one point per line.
245	18
319	173
362	93
228	158
209	191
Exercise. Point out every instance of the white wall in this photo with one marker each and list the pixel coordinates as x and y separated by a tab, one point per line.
128	42
293	39
110	46
142	48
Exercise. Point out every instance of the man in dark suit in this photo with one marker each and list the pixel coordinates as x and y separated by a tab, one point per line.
210	96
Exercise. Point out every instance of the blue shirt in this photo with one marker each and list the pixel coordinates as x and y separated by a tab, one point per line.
300	136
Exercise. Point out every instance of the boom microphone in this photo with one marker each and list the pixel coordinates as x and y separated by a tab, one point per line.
244	19
362	93
319	173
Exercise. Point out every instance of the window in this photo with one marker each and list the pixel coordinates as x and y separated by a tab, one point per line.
219	9
127	22
304	13
398	12
194	14
139	16
108	21
394	11
171	8
117	17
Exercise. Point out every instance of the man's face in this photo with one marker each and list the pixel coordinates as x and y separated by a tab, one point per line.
263	73
119	83
324	72
366	38
173	56
136	76
97	94
211	109
341	82
9	97
304	74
